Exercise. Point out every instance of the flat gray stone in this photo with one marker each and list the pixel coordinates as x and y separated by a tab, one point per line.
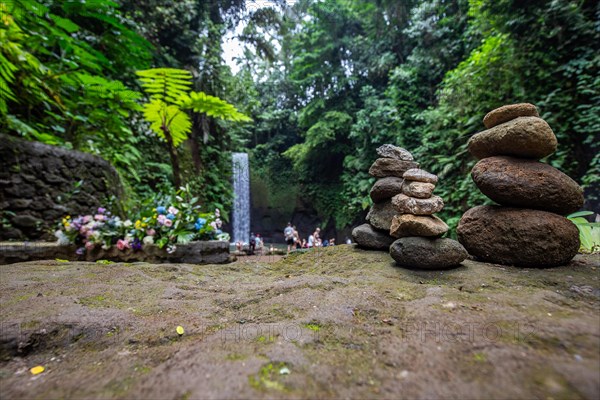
427	253
369	238
383	167
417	225
391	151
386	188
420	190
411	205
420	175
381	214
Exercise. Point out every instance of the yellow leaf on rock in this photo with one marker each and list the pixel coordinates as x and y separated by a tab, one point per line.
37	370
180	330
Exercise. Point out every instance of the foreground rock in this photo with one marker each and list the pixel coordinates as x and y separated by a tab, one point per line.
509	112
383	167
367	237
410	205
108	331
385	188
527	183
416	225
391	151
426	253
527	137
380	215
521	237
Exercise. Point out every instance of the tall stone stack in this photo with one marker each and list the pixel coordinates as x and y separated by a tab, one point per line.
528	228
392	163
418	230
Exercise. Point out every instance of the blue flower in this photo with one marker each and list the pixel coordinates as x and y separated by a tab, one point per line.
171	216
161	210
200	222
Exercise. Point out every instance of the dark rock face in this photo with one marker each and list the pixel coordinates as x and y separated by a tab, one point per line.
417	225
367	237
383	167
38	183
411	205
521	237
509	112
381	214
426	253
419	175
527	137
527	183
391	151
386	188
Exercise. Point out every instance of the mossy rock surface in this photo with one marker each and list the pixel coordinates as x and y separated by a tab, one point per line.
334	323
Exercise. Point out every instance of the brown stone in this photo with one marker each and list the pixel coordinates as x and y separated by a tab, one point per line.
527	137
383	167
381	214
369	238
417	225
521	237
411	205
427	253
525	183
386	188
509	112
420	190
420	175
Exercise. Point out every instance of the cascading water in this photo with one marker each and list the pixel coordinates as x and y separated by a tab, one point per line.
241	198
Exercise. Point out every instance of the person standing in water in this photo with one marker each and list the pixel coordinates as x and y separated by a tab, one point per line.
288	232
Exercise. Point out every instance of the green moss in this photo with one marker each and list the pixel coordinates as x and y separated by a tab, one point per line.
269	377
313	326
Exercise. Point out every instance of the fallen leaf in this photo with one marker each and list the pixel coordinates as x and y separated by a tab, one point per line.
37	370
180	330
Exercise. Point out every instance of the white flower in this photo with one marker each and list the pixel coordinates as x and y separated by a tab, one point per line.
127	223
62	238
148	240
173	210
171	249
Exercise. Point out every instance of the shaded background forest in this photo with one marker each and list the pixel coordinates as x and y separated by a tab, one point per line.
325	83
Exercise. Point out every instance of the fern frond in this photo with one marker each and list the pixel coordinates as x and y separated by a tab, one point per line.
167	84
213	107
164	116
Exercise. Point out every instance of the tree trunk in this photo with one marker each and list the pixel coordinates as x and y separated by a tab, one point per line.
194	142
174	158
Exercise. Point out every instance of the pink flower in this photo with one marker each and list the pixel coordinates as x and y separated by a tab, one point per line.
161	219
122	244
217	213
150	232
173	210
168	223
99	217
89	245
87	219
214	224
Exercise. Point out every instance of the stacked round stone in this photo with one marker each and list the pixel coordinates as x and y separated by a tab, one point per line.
392	163
419	232
528	228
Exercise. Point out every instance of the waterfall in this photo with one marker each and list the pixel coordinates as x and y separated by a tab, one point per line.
241	198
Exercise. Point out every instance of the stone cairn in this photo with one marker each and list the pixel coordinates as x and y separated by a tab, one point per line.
528	228
418	230
403	209
392	163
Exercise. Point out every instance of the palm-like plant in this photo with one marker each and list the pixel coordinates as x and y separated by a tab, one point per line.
169	106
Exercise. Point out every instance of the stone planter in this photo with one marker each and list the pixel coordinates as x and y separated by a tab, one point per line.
201	252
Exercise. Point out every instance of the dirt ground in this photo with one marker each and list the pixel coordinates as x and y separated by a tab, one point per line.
335	323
